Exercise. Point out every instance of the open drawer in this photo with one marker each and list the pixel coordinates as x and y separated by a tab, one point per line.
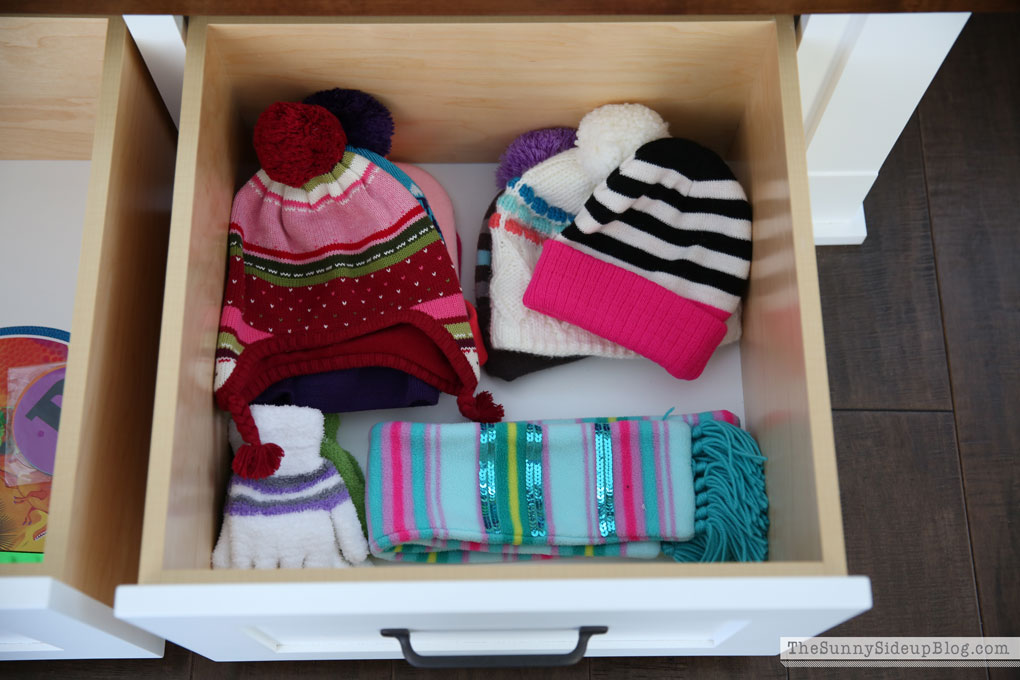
460	90
79	115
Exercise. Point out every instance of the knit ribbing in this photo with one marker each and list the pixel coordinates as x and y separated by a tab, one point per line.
617	304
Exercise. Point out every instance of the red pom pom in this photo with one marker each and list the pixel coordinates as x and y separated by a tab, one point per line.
257	462
296	142
480	408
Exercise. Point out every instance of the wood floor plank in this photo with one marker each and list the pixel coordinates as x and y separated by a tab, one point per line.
880	304
971	132
175	665
905	526
204	669
681	668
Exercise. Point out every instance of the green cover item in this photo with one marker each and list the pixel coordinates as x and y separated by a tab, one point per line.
20	557
345	464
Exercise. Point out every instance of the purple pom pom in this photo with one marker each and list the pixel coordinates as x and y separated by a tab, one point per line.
366	121
530	149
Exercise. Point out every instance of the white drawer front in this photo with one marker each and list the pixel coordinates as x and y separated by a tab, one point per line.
41	618
235	622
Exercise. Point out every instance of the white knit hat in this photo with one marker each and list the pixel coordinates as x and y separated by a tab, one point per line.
538	206
523	220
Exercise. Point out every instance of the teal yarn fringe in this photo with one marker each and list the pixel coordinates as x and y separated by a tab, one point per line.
731	522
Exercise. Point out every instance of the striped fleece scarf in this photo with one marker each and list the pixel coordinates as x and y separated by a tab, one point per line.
590	487
657	260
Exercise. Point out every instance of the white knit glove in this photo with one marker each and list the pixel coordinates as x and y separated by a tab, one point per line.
301	515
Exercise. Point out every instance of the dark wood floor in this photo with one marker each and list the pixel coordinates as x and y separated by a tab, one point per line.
922	327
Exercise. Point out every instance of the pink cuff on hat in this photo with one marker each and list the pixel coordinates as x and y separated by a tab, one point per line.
617	304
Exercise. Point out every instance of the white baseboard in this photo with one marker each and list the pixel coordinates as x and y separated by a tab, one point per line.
850	232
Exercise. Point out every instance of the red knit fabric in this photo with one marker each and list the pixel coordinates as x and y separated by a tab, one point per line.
296	142
407	342
345	272
342	302
483	355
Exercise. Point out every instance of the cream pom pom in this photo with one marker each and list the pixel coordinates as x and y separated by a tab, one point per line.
608	135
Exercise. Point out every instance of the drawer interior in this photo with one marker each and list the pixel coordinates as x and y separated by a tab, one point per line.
77	105
460	90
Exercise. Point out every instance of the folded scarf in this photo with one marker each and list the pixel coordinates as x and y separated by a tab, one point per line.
692	486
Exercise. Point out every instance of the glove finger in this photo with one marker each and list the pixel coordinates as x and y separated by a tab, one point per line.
348	532
221	553
266	562
292	560
324	556
241	555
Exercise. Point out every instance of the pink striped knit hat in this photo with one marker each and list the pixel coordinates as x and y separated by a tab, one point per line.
333	264
657	260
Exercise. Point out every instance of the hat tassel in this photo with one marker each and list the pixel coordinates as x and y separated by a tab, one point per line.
253	460
480	408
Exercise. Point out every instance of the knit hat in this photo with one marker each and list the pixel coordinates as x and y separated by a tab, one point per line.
507	364
658	258
524	152
373	387
441	207
332	264
502	363
369	127
365	120
539	205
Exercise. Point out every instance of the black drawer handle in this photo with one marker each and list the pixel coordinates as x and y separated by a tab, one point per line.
403	636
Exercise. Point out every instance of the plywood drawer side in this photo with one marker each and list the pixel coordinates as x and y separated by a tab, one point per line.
94	520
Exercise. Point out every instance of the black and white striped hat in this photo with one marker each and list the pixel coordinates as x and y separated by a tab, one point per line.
657	260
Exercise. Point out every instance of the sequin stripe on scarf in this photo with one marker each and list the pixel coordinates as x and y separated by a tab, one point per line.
533	480
487	476
604	479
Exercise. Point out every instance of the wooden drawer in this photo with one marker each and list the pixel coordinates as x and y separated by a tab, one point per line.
76	89
460	90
